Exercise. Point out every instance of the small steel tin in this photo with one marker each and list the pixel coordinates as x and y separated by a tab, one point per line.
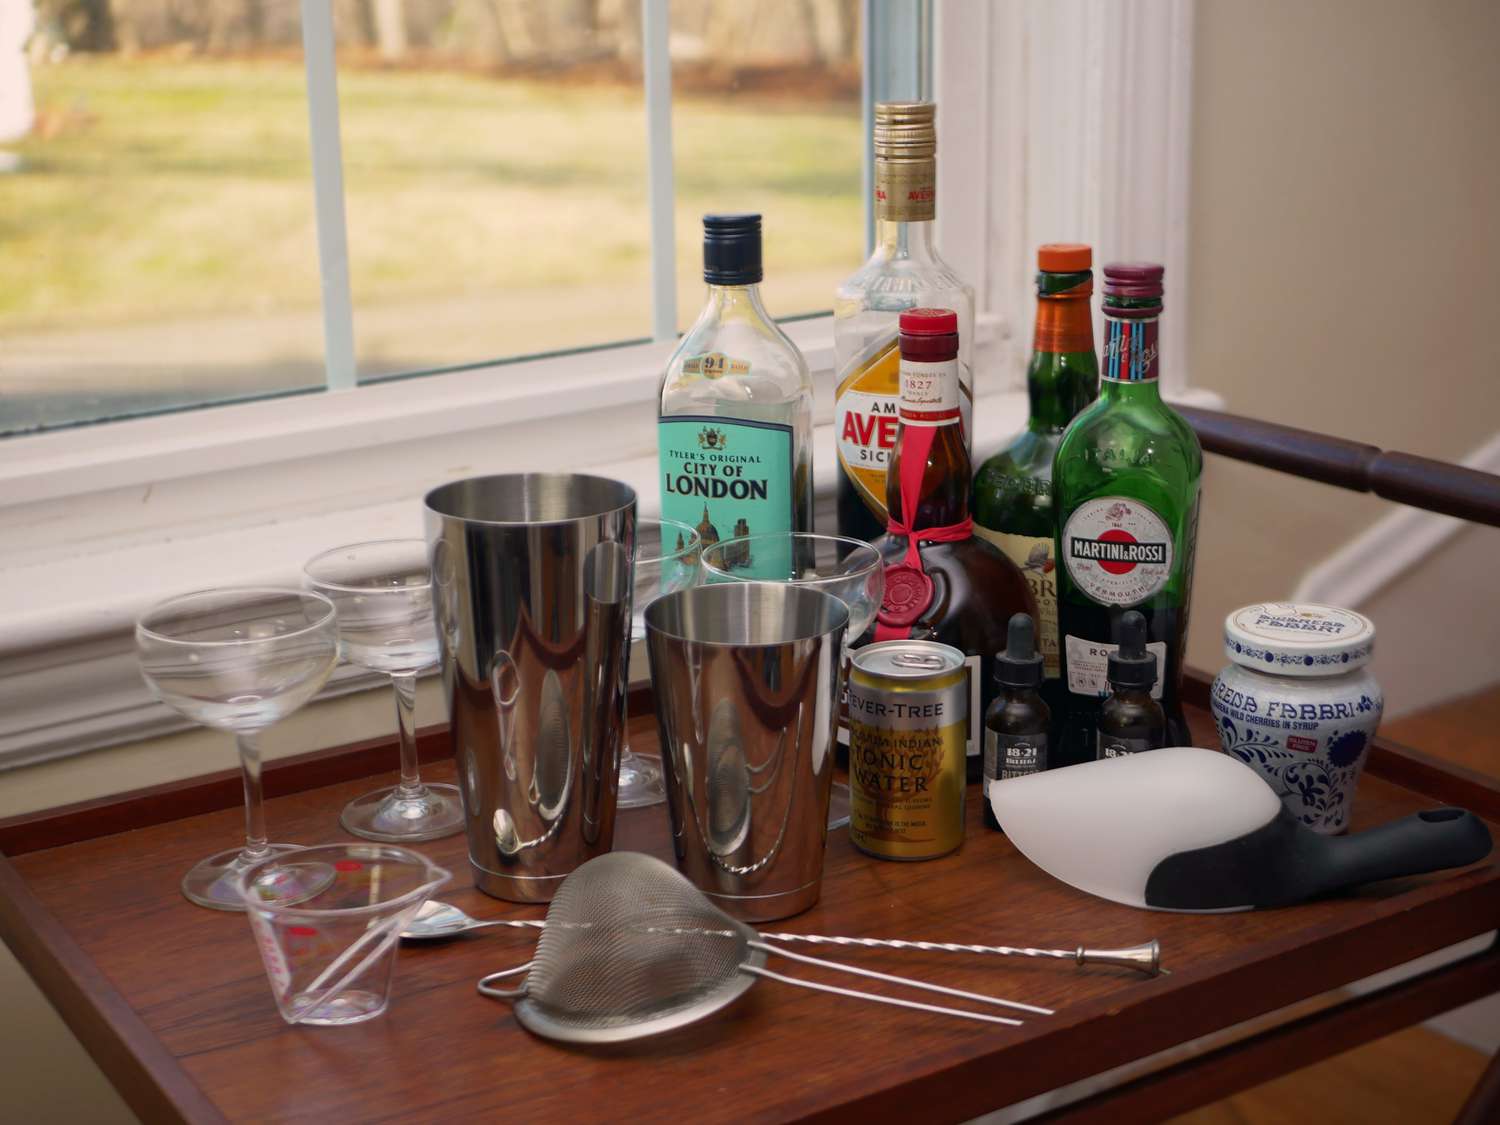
908	727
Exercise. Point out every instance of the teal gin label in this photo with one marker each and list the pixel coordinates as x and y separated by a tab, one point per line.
729	477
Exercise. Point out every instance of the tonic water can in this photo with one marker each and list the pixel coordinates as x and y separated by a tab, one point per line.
908	726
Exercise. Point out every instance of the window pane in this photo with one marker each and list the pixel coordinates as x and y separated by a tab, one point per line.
157	219
766	117
495	178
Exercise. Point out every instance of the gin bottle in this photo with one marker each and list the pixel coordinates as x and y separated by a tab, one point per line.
1013	505
734	430
904	271
1125	485
942	583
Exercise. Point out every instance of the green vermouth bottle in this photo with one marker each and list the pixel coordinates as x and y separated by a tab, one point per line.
1126	488
1013	505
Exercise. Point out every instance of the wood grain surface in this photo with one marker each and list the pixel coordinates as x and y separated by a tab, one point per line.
192	982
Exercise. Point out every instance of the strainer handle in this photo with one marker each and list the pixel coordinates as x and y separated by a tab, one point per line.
487	989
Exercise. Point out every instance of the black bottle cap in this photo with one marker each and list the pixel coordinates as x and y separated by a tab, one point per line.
731	249
1020	665
1132	665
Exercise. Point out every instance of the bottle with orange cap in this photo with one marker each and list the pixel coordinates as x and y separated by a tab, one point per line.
1013	505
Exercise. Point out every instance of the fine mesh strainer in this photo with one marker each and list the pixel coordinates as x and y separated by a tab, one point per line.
631	948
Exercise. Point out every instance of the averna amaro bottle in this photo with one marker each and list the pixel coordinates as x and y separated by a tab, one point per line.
1013	505
1126	487
942	583
904	271
734	431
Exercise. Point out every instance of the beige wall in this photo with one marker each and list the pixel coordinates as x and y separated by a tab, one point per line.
1345	259
1344	276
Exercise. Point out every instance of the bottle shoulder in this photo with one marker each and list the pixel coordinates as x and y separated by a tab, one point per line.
744	361
886	272
1111	441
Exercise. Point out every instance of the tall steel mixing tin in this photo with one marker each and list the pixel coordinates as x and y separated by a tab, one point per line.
532	585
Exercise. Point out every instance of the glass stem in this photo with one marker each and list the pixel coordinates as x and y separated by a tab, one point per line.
255	809
406	720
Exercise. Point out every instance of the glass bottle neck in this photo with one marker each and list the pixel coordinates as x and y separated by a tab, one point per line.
735	302
934	447
1130	362
1060	378
895	240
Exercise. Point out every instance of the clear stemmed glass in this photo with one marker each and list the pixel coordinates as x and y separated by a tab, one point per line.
849	569
666	560
383	592
239	660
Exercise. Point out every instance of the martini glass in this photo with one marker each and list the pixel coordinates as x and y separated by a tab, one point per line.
383	593
666	560
239	660
849	569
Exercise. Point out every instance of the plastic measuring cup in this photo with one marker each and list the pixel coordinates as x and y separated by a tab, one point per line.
330	957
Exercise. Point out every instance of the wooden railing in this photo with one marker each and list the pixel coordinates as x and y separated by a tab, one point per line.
1435	486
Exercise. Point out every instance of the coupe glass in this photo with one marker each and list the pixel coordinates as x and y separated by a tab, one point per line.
666	560
383	593
239	660
849	569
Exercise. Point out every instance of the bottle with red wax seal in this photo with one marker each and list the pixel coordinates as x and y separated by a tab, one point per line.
941	583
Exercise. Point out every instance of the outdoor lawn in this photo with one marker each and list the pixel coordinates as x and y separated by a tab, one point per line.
161	242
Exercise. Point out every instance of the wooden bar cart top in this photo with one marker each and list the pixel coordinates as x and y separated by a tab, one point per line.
172	1001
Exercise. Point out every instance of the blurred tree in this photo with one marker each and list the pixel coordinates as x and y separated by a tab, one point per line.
85	25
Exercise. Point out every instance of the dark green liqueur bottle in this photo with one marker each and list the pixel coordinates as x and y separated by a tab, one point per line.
1013	505
1125	484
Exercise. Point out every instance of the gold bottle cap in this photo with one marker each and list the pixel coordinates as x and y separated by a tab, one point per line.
905	161
905	130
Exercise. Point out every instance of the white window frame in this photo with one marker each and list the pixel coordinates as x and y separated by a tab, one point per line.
97	522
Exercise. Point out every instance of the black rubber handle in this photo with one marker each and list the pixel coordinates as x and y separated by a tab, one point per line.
1414	845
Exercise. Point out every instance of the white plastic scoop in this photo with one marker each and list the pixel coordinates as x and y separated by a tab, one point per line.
1196	830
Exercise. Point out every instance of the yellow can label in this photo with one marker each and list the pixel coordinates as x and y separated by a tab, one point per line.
906	766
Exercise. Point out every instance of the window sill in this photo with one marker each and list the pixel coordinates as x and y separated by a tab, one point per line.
250	494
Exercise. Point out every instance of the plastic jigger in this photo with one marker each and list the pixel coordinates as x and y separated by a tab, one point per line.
330	958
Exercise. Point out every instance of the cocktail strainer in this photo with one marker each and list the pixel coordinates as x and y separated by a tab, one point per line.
631	948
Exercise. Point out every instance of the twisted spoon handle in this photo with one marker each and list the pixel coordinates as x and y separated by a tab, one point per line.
1145	957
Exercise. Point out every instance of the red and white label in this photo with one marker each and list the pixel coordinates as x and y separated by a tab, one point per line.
929	393
1117	550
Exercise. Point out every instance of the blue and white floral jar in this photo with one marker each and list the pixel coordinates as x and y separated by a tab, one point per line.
1299	704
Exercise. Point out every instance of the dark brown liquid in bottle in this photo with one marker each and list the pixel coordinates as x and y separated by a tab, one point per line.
975	588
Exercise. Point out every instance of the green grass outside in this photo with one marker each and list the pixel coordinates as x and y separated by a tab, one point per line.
159	190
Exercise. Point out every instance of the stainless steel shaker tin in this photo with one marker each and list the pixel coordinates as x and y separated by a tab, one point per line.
747	683
532	588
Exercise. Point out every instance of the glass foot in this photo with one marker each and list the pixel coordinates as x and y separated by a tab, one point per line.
215	882
838	806
387	816
640	781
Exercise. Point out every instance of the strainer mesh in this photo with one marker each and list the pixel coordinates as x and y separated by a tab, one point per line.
627	940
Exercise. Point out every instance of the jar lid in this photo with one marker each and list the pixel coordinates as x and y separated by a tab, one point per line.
1298	638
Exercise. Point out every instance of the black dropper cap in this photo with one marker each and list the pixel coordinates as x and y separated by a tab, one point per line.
1131	665
1020	665
731	249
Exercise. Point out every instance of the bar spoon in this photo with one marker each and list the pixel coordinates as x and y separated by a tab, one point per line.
437	920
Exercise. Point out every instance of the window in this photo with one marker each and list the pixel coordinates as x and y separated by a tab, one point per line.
97	521
478	186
